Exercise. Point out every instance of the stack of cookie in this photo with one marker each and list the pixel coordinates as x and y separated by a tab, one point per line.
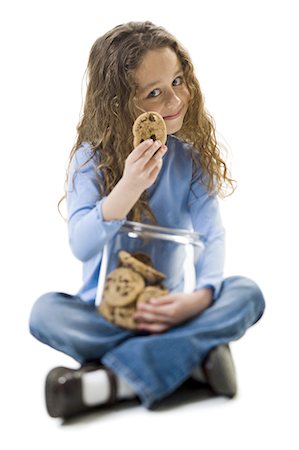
134	281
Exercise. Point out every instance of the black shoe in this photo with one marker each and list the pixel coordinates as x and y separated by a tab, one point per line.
63	390
219	370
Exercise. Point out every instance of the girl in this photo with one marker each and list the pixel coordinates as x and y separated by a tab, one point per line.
133	68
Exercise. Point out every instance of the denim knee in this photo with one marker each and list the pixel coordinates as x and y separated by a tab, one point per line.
253	293
41	311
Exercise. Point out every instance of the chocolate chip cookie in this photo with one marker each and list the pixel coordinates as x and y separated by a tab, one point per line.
150	274
122	286
149	125
151	292
123	316
127	285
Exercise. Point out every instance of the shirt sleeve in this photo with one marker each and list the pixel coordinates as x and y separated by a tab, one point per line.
206	220
87	229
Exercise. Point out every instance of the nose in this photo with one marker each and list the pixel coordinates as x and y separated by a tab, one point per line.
172	100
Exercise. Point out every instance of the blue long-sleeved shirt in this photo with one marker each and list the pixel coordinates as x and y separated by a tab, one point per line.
173	201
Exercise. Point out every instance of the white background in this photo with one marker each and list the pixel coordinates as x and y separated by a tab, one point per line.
246	58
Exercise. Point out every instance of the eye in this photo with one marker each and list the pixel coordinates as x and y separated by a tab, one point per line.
177	81
154	93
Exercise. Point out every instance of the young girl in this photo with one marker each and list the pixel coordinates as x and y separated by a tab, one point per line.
133	68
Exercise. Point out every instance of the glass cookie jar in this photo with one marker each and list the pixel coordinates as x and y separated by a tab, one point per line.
174	252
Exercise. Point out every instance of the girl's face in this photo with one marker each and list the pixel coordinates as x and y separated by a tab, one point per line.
161	87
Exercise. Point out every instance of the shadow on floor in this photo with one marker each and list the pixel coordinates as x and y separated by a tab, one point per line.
190	392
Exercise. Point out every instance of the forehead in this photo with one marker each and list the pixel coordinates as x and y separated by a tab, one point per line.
157	65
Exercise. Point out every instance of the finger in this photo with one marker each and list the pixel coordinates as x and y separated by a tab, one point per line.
140	149
148	307
147	316
153	153
153	327
154	170
151	313
154	166
165	300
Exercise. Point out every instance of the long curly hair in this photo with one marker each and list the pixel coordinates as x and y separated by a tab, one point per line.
109	111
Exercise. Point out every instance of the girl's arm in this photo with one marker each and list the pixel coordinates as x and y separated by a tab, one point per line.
206	219
141	170
93	220
88	231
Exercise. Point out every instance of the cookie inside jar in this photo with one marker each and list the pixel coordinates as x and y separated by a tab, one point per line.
143	261
134	280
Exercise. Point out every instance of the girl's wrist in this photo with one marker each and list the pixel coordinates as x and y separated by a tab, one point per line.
204	296
129	188
113	208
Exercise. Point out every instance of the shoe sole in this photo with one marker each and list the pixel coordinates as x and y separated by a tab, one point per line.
54	392
220	372
63	393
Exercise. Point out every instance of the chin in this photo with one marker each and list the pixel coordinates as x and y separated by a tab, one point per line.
173	129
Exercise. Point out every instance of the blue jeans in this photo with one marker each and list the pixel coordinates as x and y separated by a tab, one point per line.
154	365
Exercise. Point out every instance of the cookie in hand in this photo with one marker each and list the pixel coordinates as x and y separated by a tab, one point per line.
149	125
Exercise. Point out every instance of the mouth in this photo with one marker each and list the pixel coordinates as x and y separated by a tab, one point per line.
173	116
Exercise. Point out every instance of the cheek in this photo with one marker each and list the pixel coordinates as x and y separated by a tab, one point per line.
152	106
138	107
186	95
145	105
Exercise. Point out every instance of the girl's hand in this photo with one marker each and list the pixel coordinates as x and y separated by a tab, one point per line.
143	165
141	170
164	312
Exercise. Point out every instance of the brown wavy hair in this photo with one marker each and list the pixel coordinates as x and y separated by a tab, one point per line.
109	110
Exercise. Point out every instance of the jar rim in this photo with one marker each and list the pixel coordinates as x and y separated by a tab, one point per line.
179	235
